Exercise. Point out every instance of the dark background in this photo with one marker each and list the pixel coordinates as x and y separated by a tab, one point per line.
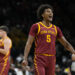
19	15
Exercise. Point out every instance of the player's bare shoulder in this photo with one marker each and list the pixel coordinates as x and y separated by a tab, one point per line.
8	41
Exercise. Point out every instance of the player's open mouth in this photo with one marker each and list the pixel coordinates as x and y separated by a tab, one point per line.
50	16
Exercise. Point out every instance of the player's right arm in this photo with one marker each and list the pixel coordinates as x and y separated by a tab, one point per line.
32	34
27	49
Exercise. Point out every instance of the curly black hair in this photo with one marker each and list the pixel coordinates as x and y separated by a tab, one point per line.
41	10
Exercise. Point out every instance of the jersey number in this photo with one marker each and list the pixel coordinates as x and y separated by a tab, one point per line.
48	38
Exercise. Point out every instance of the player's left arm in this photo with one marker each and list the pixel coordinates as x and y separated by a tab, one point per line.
66	44
7	46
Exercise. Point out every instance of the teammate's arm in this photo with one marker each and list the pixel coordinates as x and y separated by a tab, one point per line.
27	49
7	44
66	44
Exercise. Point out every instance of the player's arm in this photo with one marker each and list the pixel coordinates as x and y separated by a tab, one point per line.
28	46
27	50
7	44
32	34
66	44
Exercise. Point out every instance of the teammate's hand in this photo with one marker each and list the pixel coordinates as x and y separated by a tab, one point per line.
24	62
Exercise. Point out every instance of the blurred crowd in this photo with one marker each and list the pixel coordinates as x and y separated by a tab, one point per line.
19	15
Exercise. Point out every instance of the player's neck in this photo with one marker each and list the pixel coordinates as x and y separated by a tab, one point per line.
47	23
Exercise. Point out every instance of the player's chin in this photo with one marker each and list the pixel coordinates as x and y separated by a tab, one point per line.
50	20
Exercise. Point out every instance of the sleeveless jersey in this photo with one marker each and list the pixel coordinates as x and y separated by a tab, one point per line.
4	58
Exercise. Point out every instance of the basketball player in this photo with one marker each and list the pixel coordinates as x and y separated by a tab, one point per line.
5	46
44	33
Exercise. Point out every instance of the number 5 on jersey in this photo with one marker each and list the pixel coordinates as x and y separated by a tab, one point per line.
48	38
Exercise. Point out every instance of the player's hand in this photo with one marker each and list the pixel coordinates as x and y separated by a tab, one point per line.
73	57
27	68
24	62
73	52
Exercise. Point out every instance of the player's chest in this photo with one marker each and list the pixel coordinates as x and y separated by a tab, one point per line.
47	31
